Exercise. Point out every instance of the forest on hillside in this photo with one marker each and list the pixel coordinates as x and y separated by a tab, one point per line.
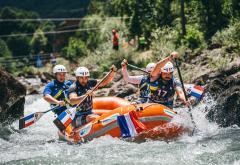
186	26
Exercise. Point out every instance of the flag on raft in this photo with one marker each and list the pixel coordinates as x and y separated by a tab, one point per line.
129	125
27	121
194	90
197	91
65	118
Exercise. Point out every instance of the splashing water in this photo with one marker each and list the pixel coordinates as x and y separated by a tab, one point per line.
39	143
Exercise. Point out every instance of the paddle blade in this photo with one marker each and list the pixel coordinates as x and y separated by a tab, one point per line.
65	119
27	121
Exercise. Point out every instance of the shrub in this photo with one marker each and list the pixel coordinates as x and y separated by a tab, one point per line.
76	48
229	37
194	38
164	42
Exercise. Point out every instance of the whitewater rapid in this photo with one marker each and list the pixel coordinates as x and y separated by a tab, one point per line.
39	144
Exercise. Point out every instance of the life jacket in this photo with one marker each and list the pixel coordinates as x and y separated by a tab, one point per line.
143	87
87	105
59	90
163	93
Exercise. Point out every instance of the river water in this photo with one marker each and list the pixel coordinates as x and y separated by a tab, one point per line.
39	144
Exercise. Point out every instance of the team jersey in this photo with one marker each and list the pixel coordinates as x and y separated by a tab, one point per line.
163	91
77	88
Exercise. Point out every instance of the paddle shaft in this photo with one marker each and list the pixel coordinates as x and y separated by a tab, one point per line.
137	68
50	109
37	116
184	92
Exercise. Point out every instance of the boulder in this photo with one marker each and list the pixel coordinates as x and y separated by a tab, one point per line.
12	94
224	87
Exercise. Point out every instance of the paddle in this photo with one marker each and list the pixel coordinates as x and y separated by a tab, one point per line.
137	68
184	91
28	120
66	117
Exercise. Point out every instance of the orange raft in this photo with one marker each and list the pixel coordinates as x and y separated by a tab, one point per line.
155	117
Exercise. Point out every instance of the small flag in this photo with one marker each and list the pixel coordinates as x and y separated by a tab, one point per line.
65	118
26	121
129	125
197	91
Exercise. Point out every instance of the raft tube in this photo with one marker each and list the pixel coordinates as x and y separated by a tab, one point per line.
156	117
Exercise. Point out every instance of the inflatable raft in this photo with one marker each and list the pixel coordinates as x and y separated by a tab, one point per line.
157	119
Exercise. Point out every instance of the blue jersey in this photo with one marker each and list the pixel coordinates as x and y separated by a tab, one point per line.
144	86
77	88
59	91
163	92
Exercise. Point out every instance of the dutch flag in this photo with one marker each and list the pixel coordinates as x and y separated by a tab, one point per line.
197	91
129	125
65	118
26	121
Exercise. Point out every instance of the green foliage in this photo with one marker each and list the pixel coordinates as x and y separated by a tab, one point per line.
146	15
229	37
104	57
53	8
19	45
14	27
194	38
76	48
93	41
90	37
39	41
28	70
4	50
164	41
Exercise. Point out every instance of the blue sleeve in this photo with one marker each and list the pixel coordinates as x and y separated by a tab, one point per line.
69	83
48	89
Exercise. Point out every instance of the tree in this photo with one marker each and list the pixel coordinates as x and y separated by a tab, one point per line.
75	49
183	18
4	51
39	41
215	18
19	45
91	37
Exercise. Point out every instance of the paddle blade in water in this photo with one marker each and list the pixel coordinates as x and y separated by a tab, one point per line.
27	121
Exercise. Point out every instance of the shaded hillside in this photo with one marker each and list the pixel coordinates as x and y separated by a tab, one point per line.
53	8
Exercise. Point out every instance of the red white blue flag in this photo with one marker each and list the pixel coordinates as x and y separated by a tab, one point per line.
27	121
197	91
194	90
129	125
65	118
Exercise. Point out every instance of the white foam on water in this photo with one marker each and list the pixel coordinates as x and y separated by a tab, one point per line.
39	144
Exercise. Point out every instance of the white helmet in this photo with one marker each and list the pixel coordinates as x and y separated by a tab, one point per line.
150	67
82	71
59	69
167	68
